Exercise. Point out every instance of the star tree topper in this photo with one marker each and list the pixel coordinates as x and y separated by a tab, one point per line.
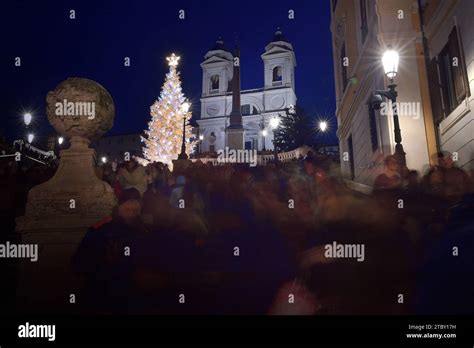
173	60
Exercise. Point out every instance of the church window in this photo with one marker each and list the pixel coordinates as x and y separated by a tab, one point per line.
245	109
277	75
212	138
214	83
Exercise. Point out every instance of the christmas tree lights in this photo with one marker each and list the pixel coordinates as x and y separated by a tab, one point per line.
165	130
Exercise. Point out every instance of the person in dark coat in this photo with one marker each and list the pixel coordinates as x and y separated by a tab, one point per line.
106	257
445	283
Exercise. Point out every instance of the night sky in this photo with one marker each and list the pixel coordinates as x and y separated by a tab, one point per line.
53	47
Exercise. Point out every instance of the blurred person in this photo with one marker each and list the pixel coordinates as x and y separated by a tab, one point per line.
133	175
177	191
108	174
103	260
445	284
413	181
390	178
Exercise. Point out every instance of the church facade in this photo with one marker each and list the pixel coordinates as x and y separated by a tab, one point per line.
258	106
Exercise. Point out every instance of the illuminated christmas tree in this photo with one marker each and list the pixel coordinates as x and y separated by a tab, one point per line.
169	113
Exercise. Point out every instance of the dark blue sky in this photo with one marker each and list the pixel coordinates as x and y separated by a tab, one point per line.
53	47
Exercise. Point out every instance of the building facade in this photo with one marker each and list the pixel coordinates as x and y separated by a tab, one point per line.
361	31
114	147
258	106
449	35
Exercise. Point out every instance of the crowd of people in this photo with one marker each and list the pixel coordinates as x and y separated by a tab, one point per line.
239	240
234	239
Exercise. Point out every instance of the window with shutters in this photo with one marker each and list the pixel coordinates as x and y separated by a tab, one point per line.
451	78
351	156
343	67
436	93
373	129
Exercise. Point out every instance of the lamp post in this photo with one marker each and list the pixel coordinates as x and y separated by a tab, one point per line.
201	138
264	134
390	65
27	117
274	122
185	108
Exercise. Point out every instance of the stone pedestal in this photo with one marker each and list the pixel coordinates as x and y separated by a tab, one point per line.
235	138
59	211
180	165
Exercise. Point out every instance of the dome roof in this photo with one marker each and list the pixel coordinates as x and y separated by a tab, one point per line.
279	36
279	40
219	45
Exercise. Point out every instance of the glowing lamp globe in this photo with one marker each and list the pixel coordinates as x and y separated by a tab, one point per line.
186	106
323	126
274	122
390	62
31	136
60	140
27	118
264	133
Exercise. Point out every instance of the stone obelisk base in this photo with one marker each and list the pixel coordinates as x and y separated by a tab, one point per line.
180	165
235	138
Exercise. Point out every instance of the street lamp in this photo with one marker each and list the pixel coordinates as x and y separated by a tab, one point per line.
31	136
104	159
390	65
27	118
60	141
264	134
185	108
274	122
323	126
201	138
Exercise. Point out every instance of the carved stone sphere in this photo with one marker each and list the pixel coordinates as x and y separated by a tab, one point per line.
80	107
